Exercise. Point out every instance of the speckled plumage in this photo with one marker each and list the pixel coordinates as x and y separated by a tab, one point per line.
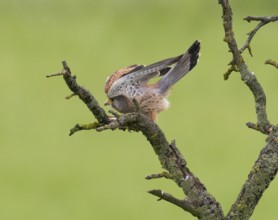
130	83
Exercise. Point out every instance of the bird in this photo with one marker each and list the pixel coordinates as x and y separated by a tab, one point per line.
128	89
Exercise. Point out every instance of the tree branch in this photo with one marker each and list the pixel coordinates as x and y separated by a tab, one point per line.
271	62
266	166
159	175
186	205
197	200
84	95
204	206
247	76
263	21
261	175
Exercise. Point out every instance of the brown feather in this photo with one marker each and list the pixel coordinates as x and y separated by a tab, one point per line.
118	74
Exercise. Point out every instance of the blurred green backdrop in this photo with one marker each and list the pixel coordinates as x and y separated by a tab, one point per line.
45	174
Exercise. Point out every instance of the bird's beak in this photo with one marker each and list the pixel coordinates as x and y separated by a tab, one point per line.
107	102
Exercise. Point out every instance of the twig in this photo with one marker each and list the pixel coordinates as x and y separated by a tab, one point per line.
55	74
253	126
158	176
251	34
80	127
265	19
229	71
70	96
184	204
271	62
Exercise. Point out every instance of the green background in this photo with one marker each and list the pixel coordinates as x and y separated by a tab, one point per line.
45	174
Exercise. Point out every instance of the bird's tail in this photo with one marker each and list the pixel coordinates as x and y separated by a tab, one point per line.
187	61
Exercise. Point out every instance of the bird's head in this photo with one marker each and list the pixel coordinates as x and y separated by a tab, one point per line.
120	103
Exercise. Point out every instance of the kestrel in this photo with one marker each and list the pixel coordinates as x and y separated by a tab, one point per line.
131	83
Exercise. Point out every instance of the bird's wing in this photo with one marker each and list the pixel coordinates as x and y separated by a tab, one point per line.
120	73
139	76
188	60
